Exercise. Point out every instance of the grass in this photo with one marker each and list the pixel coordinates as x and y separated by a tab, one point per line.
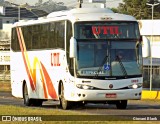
16	110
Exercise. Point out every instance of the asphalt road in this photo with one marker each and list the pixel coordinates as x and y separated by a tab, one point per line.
135	107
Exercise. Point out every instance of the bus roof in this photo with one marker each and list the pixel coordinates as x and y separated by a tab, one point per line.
81	14
91	14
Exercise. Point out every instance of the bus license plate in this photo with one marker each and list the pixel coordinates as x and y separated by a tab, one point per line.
111	95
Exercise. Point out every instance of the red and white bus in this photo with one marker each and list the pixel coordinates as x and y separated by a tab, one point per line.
77	56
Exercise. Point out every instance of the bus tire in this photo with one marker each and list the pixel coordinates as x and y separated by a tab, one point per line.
27	101
121	104
63	102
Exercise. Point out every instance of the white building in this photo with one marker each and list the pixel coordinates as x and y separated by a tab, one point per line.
151	29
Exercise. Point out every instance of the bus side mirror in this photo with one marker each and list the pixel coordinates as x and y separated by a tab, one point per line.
146	48
73	48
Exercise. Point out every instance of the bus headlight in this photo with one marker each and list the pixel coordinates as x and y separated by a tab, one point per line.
85	87
135	86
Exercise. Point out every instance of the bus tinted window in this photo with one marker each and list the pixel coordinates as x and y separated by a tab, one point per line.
107	30
41	36
15	44
59	33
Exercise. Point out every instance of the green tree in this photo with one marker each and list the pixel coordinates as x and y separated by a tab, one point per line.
139	9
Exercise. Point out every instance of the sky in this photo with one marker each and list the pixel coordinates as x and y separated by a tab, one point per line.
71	3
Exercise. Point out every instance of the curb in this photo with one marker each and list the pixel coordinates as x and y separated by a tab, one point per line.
151	95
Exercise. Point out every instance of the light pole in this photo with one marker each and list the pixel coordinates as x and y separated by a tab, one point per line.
152	5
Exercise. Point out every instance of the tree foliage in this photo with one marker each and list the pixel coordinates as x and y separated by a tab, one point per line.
139	9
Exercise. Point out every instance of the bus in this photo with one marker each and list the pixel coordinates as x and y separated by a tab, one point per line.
77	56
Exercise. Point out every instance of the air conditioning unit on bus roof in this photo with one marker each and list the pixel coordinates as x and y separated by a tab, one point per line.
97	1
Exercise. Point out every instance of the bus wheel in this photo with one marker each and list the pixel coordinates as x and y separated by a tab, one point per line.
27	101
64	103
122	104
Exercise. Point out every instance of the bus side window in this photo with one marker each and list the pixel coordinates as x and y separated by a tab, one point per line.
27	37
44	36
52	38
35	36
59	34
35	40
14	43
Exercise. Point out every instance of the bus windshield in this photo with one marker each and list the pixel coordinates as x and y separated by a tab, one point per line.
104	57
107	30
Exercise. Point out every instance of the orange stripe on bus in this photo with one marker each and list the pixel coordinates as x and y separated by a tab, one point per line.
50	87
20	37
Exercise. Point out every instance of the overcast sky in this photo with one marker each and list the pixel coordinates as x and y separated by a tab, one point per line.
110	3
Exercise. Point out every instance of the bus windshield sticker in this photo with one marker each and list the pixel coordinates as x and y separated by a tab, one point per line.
107	67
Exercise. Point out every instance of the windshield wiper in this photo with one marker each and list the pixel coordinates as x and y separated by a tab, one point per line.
122	66
100	67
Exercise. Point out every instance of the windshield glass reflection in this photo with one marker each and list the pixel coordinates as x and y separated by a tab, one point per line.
121	59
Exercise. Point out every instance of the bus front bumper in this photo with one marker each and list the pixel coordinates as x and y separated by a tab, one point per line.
104	95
